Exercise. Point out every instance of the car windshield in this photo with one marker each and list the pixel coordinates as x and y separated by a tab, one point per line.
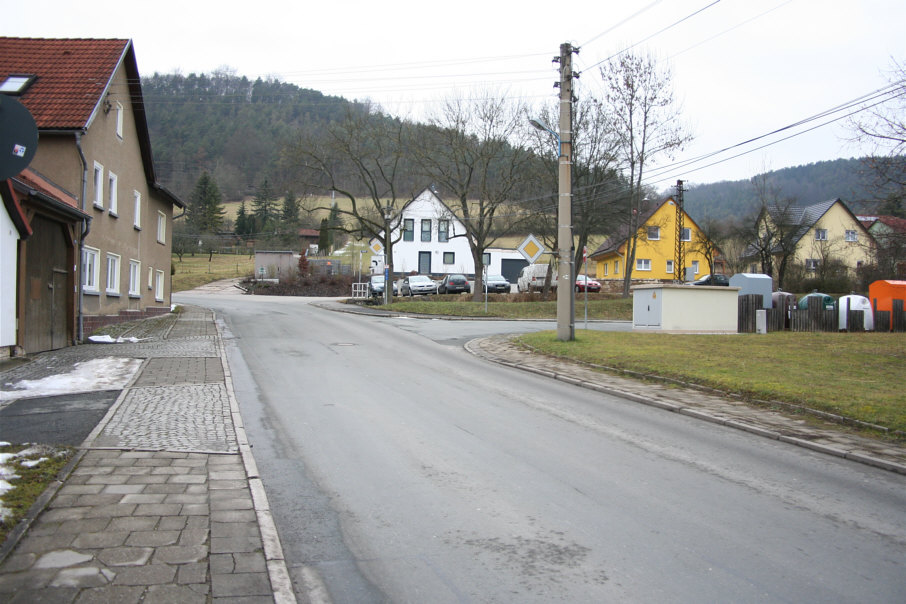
496	278
419	279
377	279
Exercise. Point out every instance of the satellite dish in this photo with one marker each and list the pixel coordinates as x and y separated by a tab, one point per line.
18	137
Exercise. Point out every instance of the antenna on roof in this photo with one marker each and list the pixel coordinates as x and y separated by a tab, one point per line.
18	137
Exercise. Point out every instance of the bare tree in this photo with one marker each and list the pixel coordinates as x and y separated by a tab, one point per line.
599	190
707	240
639	95
361	159
473	150
884	126
774	231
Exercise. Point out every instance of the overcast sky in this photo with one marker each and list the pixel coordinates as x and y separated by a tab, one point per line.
742	69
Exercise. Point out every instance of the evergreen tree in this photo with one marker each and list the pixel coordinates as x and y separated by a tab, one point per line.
324	237
244	225
334	224
206	210
264	210
290	214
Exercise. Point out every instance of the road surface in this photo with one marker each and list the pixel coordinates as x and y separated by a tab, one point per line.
399	468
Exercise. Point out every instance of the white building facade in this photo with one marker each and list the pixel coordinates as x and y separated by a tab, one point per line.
430	240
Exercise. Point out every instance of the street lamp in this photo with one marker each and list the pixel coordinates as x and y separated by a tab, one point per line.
566	303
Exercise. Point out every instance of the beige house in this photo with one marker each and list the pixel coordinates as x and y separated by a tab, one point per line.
819	233
86	98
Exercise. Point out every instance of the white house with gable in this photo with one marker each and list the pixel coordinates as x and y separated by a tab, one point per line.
433	242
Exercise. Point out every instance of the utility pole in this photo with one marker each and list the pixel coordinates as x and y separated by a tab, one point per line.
679	256
566	300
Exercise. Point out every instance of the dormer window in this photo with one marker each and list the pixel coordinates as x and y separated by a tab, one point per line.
16	84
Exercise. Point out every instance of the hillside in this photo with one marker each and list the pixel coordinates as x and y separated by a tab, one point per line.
235	128
841	178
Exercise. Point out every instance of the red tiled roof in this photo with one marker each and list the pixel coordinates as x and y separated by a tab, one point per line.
72	74
894	223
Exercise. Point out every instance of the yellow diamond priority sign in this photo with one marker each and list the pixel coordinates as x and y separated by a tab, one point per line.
531	249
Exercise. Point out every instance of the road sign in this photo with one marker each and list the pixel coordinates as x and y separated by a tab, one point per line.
531	249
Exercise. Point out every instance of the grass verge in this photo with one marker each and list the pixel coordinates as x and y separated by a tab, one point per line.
854	375
510	307
28	469
200	269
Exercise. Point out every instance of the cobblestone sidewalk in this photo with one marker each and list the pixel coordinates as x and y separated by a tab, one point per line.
163	503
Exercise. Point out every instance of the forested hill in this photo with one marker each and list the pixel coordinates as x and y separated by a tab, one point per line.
234	128
227	125
841	178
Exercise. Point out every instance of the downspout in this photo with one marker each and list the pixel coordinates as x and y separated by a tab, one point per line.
86	227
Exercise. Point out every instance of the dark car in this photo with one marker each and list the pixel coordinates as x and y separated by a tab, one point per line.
376	286
496	284
415	285
713	280
585	283
454	284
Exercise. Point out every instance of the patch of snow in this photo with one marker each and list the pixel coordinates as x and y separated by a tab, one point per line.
112	340
108	373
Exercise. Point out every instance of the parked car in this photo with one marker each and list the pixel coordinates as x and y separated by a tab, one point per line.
713	280
584	283
532	277
376	286
415	285
496	284
454	284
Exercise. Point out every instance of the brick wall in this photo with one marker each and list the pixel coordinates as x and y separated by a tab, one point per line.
92	322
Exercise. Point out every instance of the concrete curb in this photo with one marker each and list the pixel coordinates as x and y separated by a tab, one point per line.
281	583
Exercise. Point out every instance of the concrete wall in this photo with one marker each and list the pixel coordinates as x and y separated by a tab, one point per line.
685	308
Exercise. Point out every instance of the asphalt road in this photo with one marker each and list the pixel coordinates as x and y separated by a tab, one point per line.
400	468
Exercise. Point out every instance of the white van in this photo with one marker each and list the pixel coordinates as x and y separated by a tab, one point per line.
532	277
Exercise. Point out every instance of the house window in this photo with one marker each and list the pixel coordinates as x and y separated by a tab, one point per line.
98	185
135	275
686	235
486	259
605	269
159	287
90	269
811	264
695	267
443	229
161	227
616	267
137	208
670	266
820	234
408	229
851	236
150	277
426	230
113	274
643	264
112	205
119	120
654	233
449	258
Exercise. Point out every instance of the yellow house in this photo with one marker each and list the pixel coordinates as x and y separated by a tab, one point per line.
656	249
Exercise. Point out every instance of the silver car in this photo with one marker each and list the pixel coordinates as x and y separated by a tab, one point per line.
415	285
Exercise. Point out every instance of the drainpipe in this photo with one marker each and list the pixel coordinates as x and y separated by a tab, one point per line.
86	227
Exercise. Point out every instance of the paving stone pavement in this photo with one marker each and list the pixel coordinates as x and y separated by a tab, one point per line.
163	502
